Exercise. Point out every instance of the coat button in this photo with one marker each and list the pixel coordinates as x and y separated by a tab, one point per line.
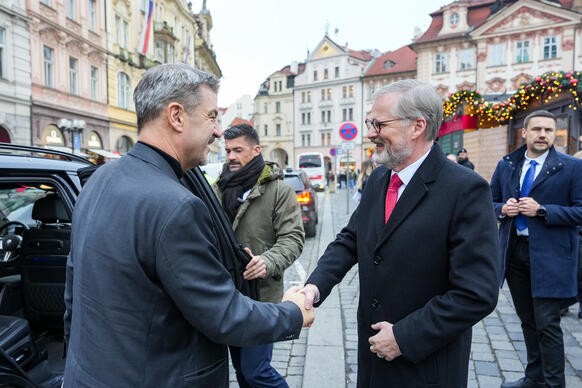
374	303
377	260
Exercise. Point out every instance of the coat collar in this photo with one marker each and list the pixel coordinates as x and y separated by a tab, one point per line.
554	163
150	156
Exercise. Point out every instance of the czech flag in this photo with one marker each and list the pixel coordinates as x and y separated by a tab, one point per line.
147	28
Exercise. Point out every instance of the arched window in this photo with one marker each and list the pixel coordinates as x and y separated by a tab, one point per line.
123	144
4	135
123	91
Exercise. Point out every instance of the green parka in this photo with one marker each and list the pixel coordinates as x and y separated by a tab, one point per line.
269	223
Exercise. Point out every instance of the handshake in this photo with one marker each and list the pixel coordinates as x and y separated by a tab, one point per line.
304	298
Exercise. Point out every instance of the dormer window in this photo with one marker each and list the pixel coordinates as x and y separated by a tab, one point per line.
454	20
389	64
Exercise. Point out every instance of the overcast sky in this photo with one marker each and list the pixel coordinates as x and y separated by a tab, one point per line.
254	38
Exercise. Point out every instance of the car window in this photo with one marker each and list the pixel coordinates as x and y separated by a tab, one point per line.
295	182
16	201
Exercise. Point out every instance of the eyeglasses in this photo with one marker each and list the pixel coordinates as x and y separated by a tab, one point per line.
378	125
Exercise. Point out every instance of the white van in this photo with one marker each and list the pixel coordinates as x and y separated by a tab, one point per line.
313	165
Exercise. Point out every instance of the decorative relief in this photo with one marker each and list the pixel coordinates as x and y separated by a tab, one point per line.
443	90
51	36
47	11
520	79
523	18
466	86
567	45
496	84
482	56
73	26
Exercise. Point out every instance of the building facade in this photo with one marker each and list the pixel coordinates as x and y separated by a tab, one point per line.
15	86
328	95
273	115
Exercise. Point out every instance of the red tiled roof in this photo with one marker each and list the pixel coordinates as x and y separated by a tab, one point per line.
479	11
287	69
404	59
364	55
239	121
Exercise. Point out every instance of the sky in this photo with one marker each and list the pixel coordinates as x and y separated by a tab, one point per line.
254	38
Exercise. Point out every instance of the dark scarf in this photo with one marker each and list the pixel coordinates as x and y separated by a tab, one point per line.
234	184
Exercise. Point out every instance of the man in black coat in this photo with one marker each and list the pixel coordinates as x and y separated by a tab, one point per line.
429	273
463	159
148	302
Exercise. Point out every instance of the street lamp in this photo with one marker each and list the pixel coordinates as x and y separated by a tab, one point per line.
75	127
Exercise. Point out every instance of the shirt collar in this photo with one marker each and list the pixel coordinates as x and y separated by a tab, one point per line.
408	172
540	159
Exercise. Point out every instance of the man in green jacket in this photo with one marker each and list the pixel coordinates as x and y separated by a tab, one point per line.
267	221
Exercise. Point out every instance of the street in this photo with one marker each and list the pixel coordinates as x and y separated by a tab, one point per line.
325	355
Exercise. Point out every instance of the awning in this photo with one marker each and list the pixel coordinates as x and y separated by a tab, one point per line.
66	149
105	154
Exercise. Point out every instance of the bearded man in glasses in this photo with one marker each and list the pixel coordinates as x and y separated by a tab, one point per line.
424	238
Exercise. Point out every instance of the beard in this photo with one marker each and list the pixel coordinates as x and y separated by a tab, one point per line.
393	155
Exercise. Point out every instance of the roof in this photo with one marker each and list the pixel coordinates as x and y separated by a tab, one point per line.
239	121
287	69
478	12
397	61
364	55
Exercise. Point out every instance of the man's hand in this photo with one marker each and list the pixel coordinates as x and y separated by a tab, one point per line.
384	343
528	206
510	208
311	293
256	268
294	295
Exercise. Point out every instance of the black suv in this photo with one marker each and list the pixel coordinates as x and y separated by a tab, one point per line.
38	191
307	198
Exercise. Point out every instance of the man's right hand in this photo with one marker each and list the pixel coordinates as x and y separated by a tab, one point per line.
295	295
510	208
311	293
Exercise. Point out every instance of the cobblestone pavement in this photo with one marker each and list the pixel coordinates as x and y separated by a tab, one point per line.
497	352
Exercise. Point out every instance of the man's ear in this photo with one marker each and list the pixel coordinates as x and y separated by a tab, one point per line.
257	149
175	114
419	128
523	132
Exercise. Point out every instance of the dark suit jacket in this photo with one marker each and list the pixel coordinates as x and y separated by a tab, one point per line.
431	271
151	304
553	244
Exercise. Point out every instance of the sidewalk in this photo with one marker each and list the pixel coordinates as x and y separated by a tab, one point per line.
325	356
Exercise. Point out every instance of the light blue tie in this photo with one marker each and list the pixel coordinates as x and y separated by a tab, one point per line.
521	220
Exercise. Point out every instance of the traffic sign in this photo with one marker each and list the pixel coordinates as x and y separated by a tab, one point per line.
347	145
339	152
348	131
332	151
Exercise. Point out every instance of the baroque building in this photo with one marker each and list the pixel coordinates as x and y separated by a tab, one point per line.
273	117
15	86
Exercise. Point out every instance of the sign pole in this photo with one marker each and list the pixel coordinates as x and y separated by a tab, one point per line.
347	182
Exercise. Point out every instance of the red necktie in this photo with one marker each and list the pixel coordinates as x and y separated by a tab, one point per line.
392	195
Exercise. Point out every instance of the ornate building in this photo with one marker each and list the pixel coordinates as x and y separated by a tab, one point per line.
15	87
68	59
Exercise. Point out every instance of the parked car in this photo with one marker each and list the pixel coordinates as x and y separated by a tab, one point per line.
307	198
38	191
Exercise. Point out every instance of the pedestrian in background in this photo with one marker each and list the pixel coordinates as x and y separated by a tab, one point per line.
537	194
463	159
424	238
266	218
148	300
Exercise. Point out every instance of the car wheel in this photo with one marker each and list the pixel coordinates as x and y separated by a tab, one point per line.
310	229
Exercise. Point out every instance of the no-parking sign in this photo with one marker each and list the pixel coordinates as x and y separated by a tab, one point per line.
348	131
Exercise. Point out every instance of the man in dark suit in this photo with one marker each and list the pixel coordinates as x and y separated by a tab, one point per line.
537	195
428	273
149	303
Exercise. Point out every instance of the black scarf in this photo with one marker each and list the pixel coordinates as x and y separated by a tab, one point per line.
234	184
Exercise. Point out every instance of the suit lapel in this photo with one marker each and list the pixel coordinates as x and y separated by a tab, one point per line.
552	165
414	192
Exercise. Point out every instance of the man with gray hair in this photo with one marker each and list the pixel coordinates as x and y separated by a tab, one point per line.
148	301
424	238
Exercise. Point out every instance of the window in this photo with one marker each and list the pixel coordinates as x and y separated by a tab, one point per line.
121	32
441	63
266	107
323	116
322	94
329	93
2	50
467	59
344	91
323	139
49	65
325	74
123	90
277	129
344	114
266	130
46	2
302	96
73	76
496	54
351	114
303	118
329	116
280	85
550	47
71	9
308	117
351	91
315	75
277	107
94	83
92	15
522	51
337	72
328	138
454	19
309	96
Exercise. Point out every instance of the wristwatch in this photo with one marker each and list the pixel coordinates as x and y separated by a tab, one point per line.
541	212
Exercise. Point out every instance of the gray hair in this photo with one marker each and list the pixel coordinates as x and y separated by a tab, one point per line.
417	99
167	83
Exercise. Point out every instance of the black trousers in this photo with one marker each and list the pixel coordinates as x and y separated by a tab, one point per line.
540	319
